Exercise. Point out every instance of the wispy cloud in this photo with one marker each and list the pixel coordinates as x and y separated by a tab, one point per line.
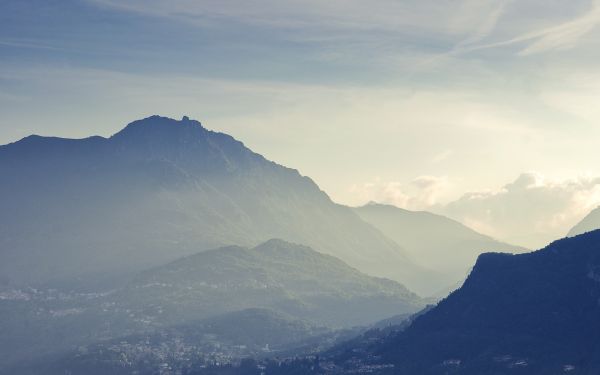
24	43
444	18
489	18
562	36
467	22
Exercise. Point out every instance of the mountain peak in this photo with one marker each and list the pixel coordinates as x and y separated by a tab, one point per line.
160	126
275	243
373	205
276	248
589	223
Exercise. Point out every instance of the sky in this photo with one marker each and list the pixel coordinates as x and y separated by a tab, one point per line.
485	111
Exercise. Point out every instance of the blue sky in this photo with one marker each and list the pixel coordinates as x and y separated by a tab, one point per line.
415	103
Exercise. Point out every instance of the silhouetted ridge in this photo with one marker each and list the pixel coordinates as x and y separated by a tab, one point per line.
533	313
155	127
486	261
37	146
186	142
435	241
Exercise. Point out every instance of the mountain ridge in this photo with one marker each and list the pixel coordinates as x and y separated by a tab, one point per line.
590	222
196	189
303	280
435	241
528	313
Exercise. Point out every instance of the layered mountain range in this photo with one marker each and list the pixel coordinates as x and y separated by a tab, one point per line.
92	211
169	231
285	279
440	243
532	313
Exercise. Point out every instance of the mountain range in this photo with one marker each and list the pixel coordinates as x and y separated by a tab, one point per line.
289	278
169	231
532	314
89	213
434	241
285	279
94	211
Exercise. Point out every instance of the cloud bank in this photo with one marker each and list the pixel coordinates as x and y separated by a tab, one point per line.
421	193
530	211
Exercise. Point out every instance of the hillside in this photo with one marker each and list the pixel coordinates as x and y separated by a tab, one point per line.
534	313
434	241
288	280
277	275
185	348
589	223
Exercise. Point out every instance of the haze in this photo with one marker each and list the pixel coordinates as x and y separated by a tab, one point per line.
472	109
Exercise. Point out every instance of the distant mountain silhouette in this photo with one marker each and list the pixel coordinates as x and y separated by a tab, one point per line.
93	211
534	313
589	223
277	275
434	241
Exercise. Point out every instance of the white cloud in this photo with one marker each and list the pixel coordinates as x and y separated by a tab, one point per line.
530	211
421	193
